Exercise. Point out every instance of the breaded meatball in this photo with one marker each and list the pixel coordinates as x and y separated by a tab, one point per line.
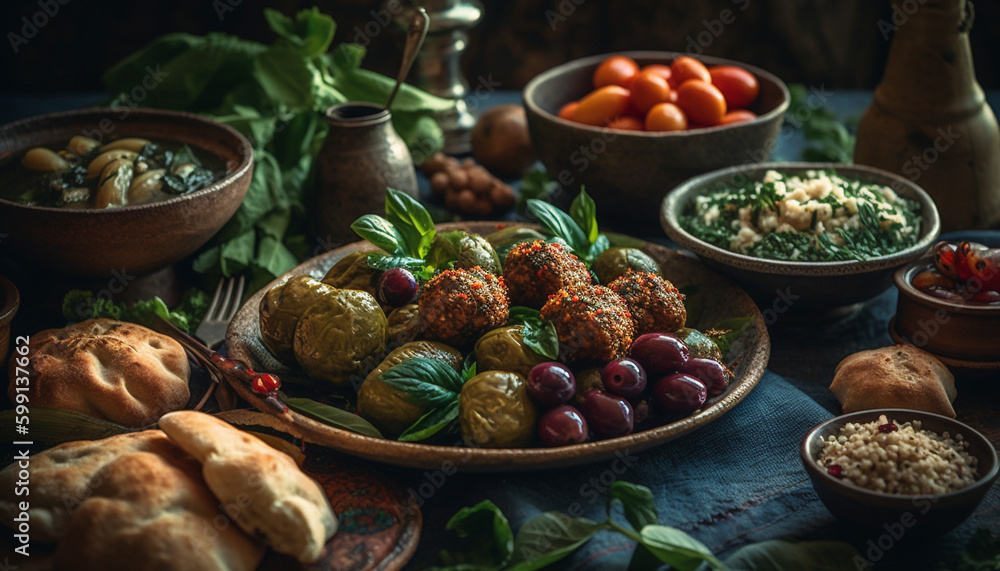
655	304
593	322
457	306
535	270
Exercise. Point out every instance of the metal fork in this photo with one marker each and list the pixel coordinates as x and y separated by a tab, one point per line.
225	303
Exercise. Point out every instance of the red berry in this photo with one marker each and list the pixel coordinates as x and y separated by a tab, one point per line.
264	383
835	470
887	427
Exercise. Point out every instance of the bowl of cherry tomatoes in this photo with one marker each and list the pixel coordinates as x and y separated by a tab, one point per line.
630	126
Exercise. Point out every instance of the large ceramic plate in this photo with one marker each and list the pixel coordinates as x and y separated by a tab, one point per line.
712	299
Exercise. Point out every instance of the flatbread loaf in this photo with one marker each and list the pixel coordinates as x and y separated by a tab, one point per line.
111	370
894	377
278	502
134	501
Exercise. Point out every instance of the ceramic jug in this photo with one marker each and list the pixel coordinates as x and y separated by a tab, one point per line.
361	156
929	121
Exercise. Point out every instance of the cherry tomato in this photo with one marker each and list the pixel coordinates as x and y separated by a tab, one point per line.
616	70
658	69
666	117
626	123
737	116
566	111
737	85
685	68
602	105
648	89
702	101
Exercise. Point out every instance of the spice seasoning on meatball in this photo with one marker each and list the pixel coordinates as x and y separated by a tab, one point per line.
457	306
655	304
593	322
535	270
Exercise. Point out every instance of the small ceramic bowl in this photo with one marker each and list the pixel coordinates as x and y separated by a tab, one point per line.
129	239
627	172
877	512
10	301
804	288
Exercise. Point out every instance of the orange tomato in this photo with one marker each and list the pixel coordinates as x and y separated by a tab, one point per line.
566	111
702	101
666	117
602	105
616	70
737	116
737	85
685	68
626	123
648	89
658	69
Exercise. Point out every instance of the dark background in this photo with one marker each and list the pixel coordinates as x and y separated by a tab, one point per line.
837	43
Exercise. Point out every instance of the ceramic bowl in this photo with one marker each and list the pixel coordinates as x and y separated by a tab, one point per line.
877	512
130	239
801	287
962	335
10	301
627	172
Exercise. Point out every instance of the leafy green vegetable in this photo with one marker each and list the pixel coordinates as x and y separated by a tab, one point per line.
549	537
538	334
676	548
578	229
560	224
487	530
437	419
434	384
828	139
407	234
637	503
380	232
411	220
779	555
80	305
332	416
383	263
275	95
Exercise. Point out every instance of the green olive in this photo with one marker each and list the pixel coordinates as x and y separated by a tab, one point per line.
475	251
281	308
404	324
385	406
495	411
503	349
700	345
337	338
352	272
615	262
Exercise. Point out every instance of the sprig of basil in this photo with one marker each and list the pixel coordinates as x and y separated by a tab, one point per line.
538	334
560	224
637	503
431	423
485	530
433	383
380	232
549	537
332	416
381	262
411	220
578	229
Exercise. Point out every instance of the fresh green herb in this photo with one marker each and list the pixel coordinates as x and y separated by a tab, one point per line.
275	95
432	383
578	229
80	305
407	234
485	535
380	262
828	139
332	416
539	334
468	366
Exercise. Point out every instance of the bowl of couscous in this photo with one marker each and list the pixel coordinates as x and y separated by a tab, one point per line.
910	472
808	238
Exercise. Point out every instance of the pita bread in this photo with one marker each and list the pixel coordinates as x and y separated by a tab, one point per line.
894	377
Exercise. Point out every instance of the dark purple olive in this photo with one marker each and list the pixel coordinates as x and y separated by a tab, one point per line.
624	377
679	393
608	415
562	426
710	372
551	383
397	287
660	353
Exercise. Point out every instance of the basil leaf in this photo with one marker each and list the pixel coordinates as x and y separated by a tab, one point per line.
311	31
485	525
411	220
444	248
332	416
379	232
778	555
583	210
434	421
549	537
560	224
676	548
469	366
602	243
637	503
733	329
381	262
538	334
423	380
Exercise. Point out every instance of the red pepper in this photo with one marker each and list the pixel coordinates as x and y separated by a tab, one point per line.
264	383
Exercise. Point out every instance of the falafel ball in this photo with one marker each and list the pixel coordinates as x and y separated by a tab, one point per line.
593	322
655	304
457	306
535	270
